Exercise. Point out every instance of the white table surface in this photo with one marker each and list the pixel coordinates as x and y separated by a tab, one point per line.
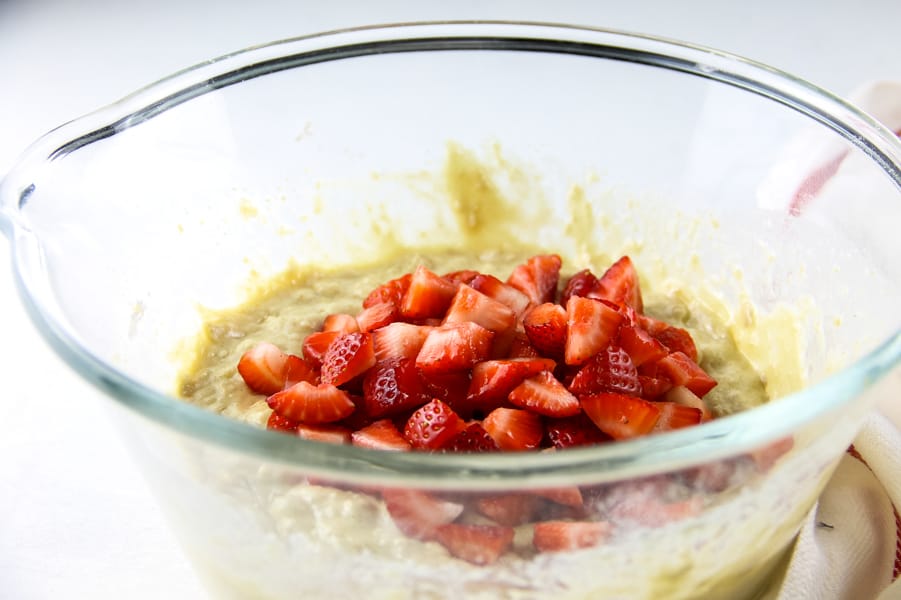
76	519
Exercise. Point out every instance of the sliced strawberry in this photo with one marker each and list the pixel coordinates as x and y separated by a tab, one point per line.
685	397
561	536
509	509
312	404
399	340
766	456
682	370
391	292
454	347
349	355
620	284
462	276
581	284
450	387
676	416
332	434
574	431
590	325
611	370
537	278
469	305
508	295
545	326
654	387
297	369
472	439
433	426
381	435
264	368
316	345
477	544
393	387
277	422
377	316
675	339
545	395
493	380
521	347
419	514
514	429
428	296
620	416
640	345
340	322
567	495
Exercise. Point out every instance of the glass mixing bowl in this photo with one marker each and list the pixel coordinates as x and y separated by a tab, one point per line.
126	221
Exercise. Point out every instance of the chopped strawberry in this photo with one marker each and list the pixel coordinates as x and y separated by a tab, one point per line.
297	369
399	340
682	370
640	345
545	395
620	416
574	431
393	387
419	514
472	439
766	456
509	509
675	339
332	434
590	325
654	387
451	388
454	347
611	370
545	326
477	544
581	284
560	536
428	296
277	422
316	345
620	284
312	404
537	278
340	322
377	316
469	305
685	397
567	495
433	426
463	276
514	429
349	355
676	416
493	380
651	511
381	435
391	292
508	295
264	368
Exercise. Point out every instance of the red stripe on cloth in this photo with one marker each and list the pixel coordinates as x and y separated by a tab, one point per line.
897	569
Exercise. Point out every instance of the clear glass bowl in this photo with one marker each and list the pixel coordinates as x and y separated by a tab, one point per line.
127	220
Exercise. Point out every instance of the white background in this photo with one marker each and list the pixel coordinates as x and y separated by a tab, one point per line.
76	520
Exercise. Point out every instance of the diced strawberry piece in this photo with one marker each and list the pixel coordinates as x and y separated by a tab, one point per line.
509	509
567	496
333	434
419	514
685	397
545	326
312	404
640	345
620	416
652	511
675	339
433	426
521	347
561	536
537	278
469	305
399	340
316	345
464	276
428	296
676	416
340	322
381	435
277	422
349	355
450	387
264	368
391	292
297	369
393	387
472	439
454	347
514	429
620	284
682	370
765	457
545	395
574	431
654	387
493	380
358	419
590	325
581	284
377	316
508	295
611	370
477	544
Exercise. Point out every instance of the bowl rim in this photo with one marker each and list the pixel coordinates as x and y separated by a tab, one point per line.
717	439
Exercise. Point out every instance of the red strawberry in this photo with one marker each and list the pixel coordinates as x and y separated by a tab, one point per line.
590	325
393	387
766	456
611	370
316	345
654	387
340	322
675	339
428	296
277	422
567	496
419	514
620	284
333	434
580	284
574	431
399	340
297	369
381	435
377	316
391	292
508	295
650	511
349	355
640	345
454	347
264	368
545	326
521	347
514	429
683	396
312	404
463	276
545	395
537	278
477	544
620	416
433	426
472	439
557	536
509	509
469	305
676	416
493	380
682	370
449	387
